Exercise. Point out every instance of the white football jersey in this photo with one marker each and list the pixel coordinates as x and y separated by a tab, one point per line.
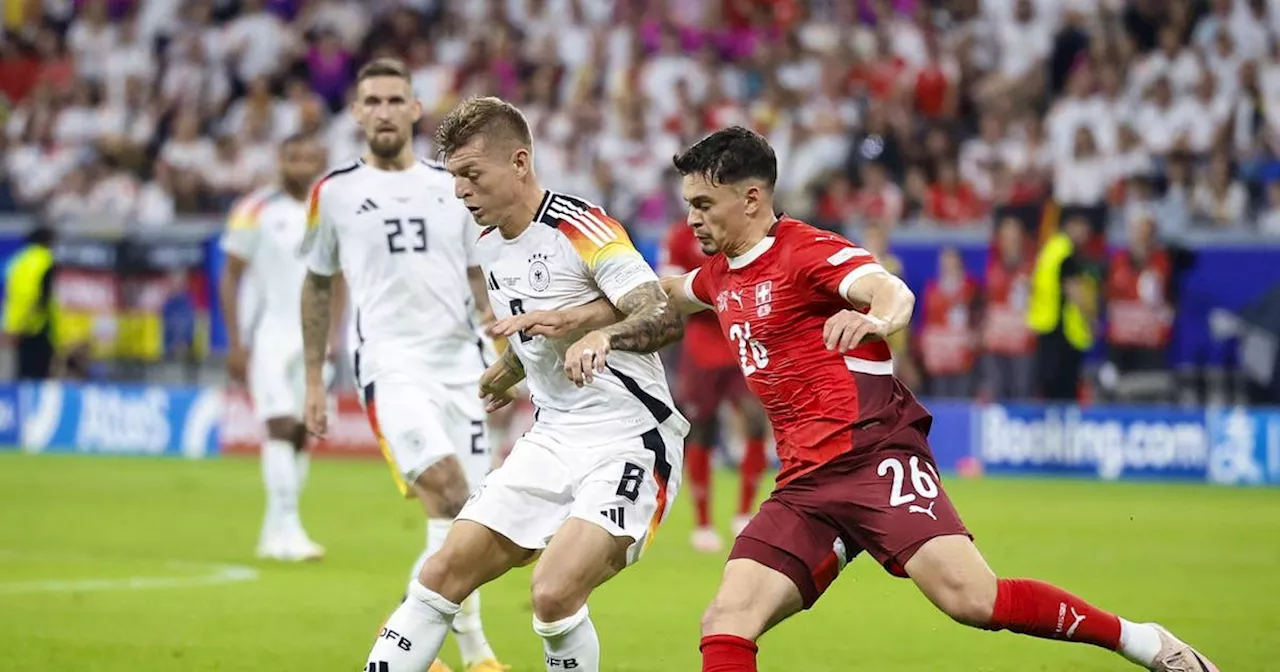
404	243
572	254
265	229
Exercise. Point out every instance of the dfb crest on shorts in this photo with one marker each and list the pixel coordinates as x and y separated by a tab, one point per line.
539	273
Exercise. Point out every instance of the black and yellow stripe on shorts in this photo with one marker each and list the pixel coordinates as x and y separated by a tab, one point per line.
371	411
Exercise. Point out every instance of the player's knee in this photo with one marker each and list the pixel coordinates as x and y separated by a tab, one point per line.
555	598
732	614
967	601
447	574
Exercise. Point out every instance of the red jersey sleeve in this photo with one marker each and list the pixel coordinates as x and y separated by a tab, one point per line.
700	283
831	263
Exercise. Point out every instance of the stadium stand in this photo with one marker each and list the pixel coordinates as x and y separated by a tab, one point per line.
1154	120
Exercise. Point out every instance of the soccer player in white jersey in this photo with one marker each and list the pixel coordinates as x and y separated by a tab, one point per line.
589	483
263	244
390	224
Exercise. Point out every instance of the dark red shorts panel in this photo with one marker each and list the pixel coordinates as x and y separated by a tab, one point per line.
804	548
887	502
700	391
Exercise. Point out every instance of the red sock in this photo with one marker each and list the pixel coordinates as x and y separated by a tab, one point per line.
697	458
751	470
1039	609
728	653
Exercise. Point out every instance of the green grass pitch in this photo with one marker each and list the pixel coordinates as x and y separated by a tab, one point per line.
1204	561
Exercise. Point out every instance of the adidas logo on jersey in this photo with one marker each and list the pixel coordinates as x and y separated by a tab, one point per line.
616	515
367	206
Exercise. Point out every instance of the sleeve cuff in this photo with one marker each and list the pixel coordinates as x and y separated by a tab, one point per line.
857	273
688	289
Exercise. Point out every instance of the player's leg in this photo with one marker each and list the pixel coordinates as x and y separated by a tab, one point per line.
470	439
623	494
780	564
275	387
699	399
471	556
513	513
697	455
756	425
951	572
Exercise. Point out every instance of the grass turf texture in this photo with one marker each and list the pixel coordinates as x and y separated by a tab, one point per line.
1204	561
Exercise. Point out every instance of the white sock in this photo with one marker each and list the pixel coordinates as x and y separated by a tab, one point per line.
280	475
302	465
412	637
1139	642
570	643
469	632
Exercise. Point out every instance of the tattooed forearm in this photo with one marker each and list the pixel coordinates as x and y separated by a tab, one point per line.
317	302
651	322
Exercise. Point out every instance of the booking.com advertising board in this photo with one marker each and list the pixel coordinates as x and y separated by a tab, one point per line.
1229	446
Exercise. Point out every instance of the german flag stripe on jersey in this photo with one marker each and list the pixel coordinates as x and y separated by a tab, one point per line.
244	214
594	234
313	198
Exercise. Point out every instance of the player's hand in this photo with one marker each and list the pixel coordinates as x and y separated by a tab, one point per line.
548	323
587	357
315	410
237	364
848	329
492	392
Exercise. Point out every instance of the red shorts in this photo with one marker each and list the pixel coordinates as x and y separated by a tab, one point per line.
887	502
700	391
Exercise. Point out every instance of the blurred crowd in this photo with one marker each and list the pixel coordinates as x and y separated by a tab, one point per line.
885	111
1149	118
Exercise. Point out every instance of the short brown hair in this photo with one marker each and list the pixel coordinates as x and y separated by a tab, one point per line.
485	116
384	67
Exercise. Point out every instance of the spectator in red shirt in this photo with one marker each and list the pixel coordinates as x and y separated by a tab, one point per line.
950	201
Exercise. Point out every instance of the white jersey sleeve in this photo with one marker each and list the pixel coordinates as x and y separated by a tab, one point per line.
241	236
612	261
320	242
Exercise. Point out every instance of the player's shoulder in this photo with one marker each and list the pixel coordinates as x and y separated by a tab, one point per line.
435	174
246	211
578	219
338	177
807	242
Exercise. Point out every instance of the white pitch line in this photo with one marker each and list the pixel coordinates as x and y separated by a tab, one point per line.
216	574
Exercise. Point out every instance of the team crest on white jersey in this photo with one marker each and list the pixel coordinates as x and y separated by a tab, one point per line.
539	272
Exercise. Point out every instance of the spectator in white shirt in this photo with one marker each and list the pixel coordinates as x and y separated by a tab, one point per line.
1220	201
980	156
77	123
227	175
257	41
70	203
1131	158
1202	118
91	39
1172	60
1025	42
186	153
1157	119
1084	178
155	206
131	58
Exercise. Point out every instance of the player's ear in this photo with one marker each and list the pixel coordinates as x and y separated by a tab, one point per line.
417	108
522	161
751	199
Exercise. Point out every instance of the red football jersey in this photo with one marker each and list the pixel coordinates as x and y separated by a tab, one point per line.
772	304
703	344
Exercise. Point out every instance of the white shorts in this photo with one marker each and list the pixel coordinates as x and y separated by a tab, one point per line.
277	383
626	487
417	424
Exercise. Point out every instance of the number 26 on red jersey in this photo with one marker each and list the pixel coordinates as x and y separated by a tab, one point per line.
752	355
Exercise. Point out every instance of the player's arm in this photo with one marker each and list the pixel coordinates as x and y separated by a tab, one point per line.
559	323
881	303
650	323
320	245
238	244
679	290
497	383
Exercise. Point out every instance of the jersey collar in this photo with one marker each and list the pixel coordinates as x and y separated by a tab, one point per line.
756	251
